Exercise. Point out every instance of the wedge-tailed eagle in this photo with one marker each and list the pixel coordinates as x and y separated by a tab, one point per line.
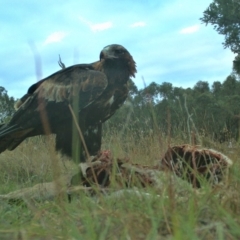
93	91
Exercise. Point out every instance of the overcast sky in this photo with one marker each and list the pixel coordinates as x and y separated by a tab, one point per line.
165	37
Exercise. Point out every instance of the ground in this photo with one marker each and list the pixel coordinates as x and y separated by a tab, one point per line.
176	211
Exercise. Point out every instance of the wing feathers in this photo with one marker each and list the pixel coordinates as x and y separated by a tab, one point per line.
61	87
64	87
8	130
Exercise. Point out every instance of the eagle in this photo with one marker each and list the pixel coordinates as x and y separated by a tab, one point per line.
79	98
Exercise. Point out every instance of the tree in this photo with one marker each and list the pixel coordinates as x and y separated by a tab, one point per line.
150	93
231	86
133	90
216	89
165	90
236	64
6	105
201	87
224	15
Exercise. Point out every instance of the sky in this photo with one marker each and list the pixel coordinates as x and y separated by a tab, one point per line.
166	39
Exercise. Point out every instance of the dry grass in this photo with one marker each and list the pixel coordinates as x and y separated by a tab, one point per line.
203	214
32	162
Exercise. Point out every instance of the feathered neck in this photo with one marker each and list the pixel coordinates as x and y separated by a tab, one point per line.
119	69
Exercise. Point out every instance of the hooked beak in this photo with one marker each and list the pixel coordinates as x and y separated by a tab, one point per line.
106	55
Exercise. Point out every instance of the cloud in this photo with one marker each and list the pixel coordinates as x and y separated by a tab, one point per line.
138	24
96	27
55	37
100	26
190	30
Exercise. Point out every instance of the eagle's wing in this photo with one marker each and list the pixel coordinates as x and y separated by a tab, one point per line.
48	104
65	71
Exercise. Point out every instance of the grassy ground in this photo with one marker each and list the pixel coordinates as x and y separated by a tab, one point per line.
209	213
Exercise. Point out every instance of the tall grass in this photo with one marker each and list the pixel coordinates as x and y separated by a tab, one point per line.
174	212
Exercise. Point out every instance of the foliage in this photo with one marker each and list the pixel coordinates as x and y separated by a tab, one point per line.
225	17
162	107
6	105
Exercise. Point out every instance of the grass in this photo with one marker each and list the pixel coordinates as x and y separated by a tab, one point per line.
176	212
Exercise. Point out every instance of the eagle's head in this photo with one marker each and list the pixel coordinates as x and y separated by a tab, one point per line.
117	52
114	51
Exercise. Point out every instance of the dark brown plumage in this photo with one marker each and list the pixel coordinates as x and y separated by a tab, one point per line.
98	89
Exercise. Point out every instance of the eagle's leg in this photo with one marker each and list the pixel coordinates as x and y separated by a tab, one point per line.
93	138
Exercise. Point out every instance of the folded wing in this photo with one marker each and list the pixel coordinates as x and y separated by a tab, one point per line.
46	109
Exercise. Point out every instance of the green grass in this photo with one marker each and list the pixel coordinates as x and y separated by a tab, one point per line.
174	212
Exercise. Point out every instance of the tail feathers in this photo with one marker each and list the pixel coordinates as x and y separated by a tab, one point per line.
6	130
11	137
3	145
